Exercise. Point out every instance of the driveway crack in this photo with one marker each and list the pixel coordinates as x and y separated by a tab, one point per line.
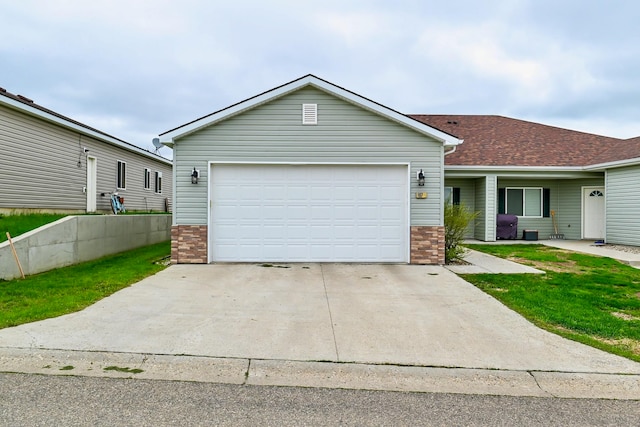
247	372
539	386
333	330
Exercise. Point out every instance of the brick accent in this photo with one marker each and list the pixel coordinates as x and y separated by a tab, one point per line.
427	245
189	244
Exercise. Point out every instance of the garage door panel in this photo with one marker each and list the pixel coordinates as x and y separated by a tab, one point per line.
344	193
309	213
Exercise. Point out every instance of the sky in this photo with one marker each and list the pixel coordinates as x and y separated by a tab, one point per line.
137	68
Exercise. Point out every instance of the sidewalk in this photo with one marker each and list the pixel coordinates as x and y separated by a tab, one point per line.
589	247
484	263
627	255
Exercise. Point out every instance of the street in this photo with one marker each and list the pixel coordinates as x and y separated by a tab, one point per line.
38	400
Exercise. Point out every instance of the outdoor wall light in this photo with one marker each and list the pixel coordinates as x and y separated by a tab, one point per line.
420	177
194	176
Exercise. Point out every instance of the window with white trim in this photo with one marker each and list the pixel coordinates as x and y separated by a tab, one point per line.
147	179
158	186
121	175
524	202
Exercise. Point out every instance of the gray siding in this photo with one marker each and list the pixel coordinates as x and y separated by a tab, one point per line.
485	202
569	202
623	206
467	198
543	225
39	168
273	132
566	201
481	206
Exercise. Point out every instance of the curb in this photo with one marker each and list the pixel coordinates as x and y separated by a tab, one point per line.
318	374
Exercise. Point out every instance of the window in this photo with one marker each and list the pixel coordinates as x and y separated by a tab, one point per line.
147	178
121	180
525	202
158	182
452	195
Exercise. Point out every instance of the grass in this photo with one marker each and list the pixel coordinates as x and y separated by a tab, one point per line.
73	288
21	223
590	299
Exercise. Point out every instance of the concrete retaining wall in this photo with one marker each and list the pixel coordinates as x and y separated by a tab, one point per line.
76	239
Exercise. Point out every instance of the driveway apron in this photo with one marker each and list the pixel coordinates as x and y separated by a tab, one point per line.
381	314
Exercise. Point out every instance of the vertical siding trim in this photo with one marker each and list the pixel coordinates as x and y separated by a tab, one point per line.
606	194
174	179
491	189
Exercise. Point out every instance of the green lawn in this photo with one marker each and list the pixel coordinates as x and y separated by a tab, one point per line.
73	288
586	298
18	224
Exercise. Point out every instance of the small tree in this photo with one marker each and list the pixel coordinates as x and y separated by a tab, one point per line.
456	220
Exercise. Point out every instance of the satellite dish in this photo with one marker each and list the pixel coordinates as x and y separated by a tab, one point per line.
156	143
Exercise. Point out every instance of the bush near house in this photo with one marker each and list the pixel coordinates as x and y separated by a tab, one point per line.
456	220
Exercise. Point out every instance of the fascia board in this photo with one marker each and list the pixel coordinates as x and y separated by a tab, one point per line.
168	138
416	125
80	129
518	171
515	168
612	165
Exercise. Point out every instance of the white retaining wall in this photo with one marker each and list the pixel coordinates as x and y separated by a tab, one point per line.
76	239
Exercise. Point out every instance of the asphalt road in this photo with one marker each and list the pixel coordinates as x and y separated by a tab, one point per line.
37	400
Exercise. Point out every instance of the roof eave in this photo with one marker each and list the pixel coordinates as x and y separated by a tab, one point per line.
80	129
168	138
615	164
565	172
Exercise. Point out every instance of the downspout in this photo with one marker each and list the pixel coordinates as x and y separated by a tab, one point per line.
451	150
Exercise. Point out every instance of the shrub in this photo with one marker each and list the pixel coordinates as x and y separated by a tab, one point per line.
456	220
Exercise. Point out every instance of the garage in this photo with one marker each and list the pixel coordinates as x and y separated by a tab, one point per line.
308	172
308	213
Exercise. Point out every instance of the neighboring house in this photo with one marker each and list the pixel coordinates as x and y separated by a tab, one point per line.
49	162
590	182
308	171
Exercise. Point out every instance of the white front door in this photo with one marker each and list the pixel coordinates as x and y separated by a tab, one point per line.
92	183
344	213
593	210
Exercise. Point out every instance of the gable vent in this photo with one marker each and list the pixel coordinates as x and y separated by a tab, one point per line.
309	114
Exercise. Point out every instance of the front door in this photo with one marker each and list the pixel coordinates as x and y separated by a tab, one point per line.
593	209
91	184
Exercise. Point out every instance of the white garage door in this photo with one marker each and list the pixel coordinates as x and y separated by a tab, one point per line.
309	213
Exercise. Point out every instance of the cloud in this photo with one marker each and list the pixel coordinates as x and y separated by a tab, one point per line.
135	68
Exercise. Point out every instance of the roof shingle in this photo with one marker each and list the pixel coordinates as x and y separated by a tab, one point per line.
503	141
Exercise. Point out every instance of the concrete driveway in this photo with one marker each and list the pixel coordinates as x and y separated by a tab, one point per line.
370	314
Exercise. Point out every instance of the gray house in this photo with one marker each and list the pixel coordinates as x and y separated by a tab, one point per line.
308	171
590	183
49	162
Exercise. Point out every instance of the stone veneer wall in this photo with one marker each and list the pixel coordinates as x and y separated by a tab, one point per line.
189	244
427	245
